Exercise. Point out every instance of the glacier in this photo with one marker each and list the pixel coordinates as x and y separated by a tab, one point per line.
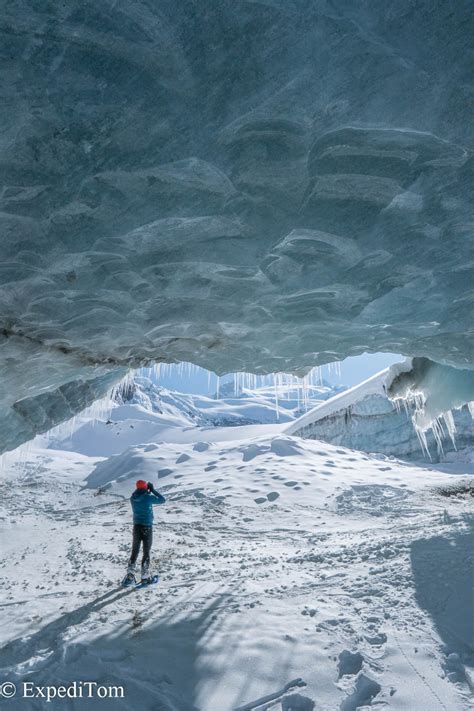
260	186
369	417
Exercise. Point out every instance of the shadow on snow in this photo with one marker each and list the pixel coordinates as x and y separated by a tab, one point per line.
443	572
155	658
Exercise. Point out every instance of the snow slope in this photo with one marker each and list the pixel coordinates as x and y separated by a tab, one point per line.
295	575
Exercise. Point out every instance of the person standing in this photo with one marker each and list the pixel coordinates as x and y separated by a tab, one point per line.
142	500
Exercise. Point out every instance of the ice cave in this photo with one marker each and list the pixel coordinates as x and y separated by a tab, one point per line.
253	192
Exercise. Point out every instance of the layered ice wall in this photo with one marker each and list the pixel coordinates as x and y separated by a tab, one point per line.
366	419
30	416
255	186
373	424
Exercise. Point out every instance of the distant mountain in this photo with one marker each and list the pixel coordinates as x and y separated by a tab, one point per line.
142	411
261	405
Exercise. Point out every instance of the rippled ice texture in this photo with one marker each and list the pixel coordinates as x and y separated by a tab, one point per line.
258	186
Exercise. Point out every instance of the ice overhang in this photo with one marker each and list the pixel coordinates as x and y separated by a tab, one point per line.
260	187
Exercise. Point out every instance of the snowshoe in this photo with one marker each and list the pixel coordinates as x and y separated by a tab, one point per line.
128	580
147	581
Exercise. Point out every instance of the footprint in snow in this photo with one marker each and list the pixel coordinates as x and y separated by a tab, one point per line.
297	702
201	446
376	640
284	447
252	451
349	663
365	691
182	458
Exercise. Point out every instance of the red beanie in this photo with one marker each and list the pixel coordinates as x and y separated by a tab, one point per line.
141	484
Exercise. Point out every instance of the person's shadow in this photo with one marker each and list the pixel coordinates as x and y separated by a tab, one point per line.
157	658
19	650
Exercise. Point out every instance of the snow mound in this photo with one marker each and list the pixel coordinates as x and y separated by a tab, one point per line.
138	463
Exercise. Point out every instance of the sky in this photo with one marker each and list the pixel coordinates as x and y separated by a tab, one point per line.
350	371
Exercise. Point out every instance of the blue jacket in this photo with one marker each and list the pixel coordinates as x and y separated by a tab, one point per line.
142	505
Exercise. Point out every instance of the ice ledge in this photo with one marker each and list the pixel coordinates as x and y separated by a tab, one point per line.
375	385
429	392
434	391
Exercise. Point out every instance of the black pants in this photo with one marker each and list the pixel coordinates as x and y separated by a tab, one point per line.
141	534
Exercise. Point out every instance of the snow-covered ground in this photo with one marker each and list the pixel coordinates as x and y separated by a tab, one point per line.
295	575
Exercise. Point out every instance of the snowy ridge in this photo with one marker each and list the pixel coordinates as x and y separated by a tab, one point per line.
375	385
233	404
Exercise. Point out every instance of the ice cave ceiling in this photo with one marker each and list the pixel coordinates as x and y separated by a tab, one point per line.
243	184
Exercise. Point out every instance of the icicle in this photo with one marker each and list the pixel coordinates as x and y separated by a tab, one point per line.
438	432
277	410
450	426
422	440
418	402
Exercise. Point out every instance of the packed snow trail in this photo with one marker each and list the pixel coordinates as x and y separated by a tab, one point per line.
276	556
